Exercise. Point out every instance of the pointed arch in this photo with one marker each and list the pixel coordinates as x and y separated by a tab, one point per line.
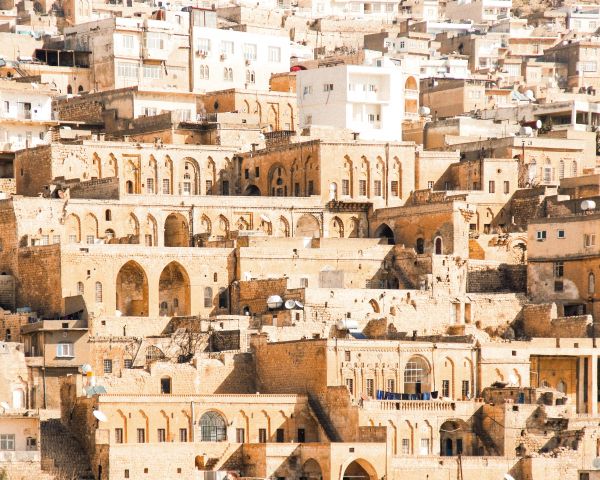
222	226
176	231
365	178
113	166
150	231
96	166
133	228
166	177
348	177
354	228
336	228
283	227
132	290
174	290
90	228
190	181
308	226
205	225
73	228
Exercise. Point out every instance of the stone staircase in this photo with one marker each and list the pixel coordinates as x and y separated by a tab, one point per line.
324	420
62	454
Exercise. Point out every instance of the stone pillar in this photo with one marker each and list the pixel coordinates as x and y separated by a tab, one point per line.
580	385
593	380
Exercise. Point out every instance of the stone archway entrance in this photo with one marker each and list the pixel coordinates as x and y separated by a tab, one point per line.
132	290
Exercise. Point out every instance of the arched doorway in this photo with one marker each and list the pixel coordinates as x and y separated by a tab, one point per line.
177	233
417	376
311	470
213	427
308	226
252	191
359	470
384	231
174	290
455	438
132	290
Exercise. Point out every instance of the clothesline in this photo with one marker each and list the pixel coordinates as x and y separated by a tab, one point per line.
383	395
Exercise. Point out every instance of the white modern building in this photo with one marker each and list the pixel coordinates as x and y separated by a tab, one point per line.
25	115
370	100
224	59
479	11
583	18
349	8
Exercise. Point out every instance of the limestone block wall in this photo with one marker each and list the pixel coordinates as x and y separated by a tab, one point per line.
487	276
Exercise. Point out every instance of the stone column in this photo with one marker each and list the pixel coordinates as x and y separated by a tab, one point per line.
593	381
580	385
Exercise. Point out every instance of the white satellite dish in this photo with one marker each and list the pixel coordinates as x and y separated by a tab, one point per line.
299	304
512	379
289	304
118	313
86	368
101	416
508	477
4	405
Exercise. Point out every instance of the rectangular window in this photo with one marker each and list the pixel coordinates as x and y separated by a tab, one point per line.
430	185
162	435
424	450
204	45
307	90
466	392
345	187
7	441
559	269
280	435
166	186
240	435
327	87
209	186
370	387
311	188
347	356
45	240
250	50
362	188
55	239
127	70
589	240
304	282
394	188
296	189
257	172
141	435
227	47
506	186
350	385
107	365
262	435
149	185
64	350
377	188
301	435
152	71
89	239
492	186
155	41
561	234
183	437
406	446
274	54
541	235
118	435
446	388
72	238
128	363
391	385
558	286
225	187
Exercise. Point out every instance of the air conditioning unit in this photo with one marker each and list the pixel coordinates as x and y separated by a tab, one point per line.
223	56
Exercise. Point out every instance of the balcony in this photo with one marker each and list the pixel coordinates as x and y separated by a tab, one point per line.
161	54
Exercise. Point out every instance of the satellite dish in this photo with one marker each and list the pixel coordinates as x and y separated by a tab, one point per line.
86	368
274	301
508	477
512	379
299	304
596	463
4	405
101	416
118	313
289	304
538	124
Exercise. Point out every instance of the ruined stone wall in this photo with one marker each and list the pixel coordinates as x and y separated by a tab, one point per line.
80	110
485	276
40	278
100	189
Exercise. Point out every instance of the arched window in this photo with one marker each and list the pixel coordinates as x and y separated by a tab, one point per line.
80	89
80	288
108	215
213	428
561	169
98	292
438	246
561	386
420	246
109	234
164	306
417	377
591	283
69	89
208	297
532	171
